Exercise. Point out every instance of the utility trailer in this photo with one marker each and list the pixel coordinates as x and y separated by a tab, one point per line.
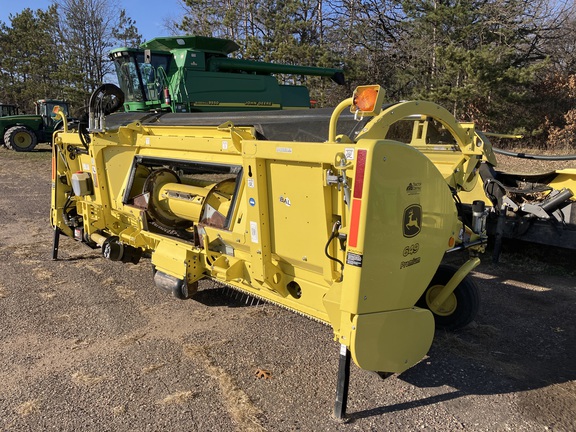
314	210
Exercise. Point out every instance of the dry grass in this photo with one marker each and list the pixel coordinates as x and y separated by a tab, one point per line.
25	251
152	368
244	413
119	410
179	398
28	407
43	274
80	343
133	338
125	293
87	379
93	269
454	343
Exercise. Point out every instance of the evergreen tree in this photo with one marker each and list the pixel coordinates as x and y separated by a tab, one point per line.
126	32
29	58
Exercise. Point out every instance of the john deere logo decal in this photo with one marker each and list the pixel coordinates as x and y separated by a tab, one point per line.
412	220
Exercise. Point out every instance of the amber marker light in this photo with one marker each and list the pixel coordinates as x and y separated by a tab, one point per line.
451	242
367	100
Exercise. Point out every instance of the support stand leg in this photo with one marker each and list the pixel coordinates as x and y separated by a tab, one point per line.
55	243
498	237
343	381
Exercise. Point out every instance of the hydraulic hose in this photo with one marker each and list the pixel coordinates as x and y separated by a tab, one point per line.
537	157
332	237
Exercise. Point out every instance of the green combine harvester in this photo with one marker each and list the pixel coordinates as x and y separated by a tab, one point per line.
195	73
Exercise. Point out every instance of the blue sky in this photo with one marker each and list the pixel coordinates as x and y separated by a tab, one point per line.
148	14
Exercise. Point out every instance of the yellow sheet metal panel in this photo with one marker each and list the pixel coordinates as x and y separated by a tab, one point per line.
565	179
391	341
299	223
401	225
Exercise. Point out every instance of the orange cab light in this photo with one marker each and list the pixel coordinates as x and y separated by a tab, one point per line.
451	242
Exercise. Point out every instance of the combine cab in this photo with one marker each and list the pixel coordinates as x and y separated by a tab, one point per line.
195	73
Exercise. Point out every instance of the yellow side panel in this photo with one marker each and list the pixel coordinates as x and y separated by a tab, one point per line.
391	341
299	227
565	179
407	216
475	194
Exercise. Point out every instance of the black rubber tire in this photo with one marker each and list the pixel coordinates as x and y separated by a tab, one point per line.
467	300
20	139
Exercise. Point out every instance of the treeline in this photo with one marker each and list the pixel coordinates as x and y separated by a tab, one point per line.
507	65
60	52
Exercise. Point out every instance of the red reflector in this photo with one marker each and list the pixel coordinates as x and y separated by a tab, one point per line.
54	165
359	177
354	223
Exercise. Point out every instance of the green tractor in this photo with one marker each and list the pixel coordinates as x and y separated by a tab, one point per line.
23	132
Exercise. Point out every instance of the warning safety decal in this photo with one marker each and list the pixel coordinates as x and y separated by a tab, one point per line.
354	259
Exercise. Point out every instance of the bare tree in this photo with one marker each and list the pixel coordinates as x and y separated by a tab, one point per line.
90	29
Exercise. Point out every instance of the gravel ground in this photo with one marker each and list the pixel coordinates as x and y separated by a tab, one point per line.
92	345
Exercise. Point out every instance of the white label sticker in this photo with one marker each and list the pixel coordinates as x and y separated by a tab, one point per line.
147	141
250	183
283	150
349	153
254	232
224	145
85	167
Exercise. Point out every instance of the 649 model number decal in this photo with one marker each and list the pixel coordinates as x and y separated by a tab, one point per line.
411	250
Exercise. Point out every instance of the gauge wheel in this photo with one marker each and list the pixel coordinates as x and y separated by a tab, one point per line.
460	308
185	290
20	138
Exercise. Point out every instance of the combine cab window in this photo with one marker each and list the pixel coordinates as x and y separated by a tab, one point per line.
141	81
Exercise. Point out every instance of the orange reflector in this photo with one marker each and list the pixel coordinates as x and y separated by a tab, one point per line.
365	99
451	242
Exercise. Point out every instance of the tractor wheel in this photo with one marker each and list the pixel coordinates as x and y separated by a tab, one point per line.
460	308
20	138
